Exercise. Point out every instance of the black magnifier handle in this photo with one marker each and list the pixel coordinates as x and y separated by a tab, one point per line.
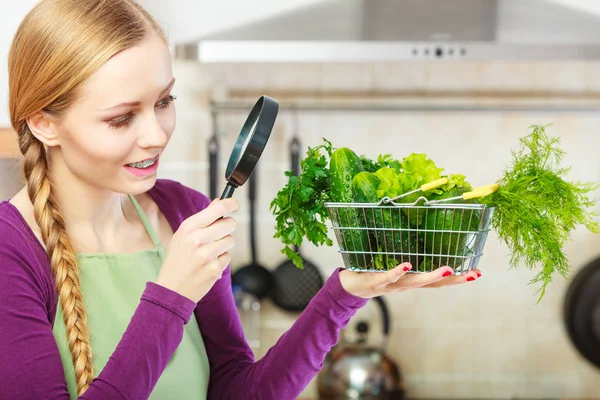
228	192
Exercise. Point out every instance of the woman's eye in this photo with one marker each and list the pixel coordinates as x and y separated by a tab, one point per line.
166	102
126	120
121	122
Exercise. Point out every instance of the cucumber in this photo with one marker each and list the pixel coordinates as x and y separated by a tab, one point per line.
365	186
344	164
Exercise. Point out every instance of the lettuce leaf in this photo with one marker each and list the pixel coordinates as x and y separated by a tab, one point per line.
389	182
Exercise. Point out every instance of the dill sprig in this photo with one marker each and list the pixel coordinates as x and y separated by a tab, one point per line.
536	208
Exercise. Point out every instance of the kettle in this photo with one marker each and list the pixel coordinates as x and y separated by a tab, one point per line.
359	371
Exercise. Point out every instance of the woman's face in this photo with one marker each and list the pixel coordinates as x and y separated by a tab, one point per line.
113	135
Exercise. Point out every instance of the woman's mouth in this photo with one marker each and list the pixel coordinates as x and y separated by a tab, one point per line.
144	167
144	163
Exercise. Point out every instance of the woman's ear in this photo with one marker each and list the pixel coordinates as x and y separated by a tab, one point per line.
43	128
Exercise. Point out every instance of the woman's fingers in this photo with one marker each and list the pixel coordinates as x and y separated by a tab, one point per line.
416	280
455	279
371	284
392	276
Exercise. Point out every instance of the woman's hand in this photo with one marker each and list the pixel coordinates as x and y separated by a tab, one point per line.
198	253
372	284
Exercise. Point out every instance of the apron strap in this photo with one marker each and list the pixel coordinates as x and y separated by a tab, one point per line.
149	229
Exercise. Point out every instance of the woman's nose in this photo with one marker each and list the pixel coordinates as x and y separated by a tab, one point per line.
152	134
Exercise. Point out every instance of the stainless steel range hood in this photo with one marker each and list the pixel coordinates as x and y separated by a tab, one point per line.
408	30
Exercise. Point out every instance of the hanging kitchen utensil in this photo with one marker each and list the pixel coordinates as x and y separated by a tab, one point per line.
360	371
250	143
294	288
582	312
253	278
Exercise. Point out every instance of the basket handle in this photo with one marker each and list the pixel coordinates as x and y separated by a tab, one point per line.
480	191
434	184
473	194
423	188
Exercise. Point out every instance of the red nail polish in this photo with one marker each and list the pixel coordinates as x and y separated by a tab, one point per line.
470	279
445	274
406	268
478	274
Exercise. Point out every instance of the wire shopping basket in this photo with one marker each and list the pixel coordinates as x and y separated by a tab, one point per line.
428	234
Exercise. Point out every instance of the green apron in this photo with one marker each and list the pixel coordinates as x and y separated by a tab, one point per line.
112	285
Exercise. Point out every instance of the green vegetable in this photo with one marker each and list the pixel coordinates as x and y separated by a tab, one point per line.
537	209
364	188
401	240
417	170
449	243
382	161
344	165
390	184
299	207
367	187
455	181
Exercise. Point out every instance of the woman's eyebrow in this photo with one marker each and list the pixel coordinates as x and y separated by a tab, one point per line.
137	103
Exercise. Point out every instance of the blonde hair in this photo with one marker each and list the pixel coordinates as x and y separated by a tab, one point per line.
59	44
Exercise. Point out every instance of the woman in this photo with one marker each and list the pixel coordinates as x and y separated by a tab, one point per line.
114	284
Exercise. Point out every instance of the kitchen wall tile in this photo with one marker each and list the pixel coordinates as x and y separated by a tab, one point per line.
251	76
348	130
550	351
195	79
566	384
590	380
454	384
447	349
188	142
305	78
564	76
453	76
407	348
501	76
340	77
310	131
503	386
501	349
592	76
391	77
10	177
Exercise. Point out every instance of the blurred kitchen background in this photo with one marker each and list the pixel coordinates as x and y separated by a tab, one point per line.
460	80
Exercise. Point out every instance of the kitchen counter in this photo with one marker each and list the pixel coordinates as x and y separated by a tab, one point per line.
8	143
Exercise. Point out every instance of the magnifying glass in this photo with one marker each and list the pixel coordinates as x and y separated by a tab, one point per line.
250	143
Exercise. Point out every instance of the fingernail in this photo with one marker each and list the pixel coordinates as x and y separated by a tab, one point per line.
445	274
469	279
407	267
478	274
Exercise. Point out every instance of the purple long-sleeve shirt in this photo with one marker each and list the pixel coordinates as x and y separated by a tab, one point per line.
30	364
